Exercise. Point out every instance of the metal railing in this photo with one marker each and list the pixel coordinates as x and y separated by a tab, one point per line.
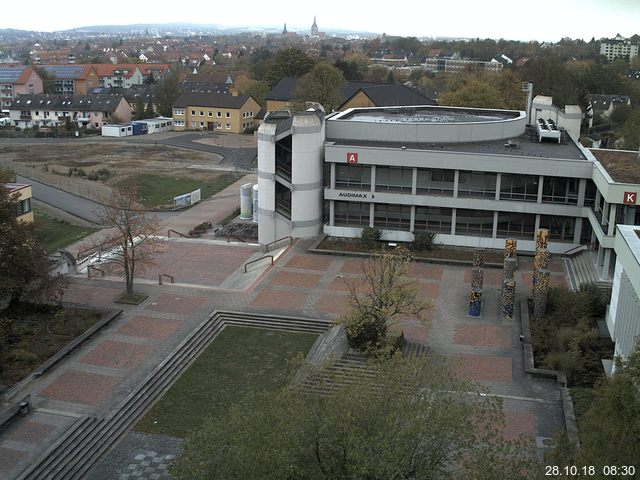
573	250
266	247
176	232
91	268
170	277
256	260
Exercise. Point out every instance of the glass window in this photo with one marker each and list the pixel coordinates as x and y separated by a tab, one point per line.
474	222
353	176
435	181
394	179
560	190
24	206
433	219
476	184
590	194
353	214
519	187
516	225
560	228
227	114
392	217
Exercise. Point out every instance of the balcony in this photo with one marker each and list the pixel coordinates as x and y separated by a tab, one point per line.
283	169
25	117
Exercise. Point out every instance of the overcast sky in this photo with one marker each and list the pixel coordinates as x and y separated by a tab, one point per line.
548	20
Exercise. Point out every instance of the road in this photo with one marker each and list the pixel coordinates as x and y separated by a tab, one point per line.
79	206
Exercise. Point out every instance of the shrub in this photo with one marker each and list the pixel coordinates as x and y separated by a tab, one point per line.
370	236
422	241
22	355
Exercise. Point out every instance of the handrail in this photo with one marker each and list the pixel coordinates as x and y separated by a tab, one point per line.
175	231
573	250
165	275
91	267
254	261
266	247
235	237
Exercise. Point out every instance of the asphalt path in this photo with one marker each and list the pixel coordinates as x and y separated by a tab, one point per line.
79	206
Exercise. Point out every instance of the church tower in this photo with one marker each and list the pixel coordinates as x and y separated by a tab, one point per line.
314	27
284	32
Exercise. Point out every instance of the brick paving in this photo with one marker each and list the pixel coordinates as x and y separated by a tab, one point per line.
80	387
489	368
176	303
114	354
149	327
483	336
309	262
334	304
31	432
490	277
279	300
517	424
295	279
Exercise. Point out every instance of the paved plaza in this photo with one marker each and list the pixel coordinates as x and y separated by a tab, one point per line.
96	378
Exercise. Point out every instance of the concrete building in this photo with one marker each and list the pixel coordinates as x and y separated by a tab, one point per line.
623	314
73	79
472	176
214	112
451	65
569	118
618	47
23	211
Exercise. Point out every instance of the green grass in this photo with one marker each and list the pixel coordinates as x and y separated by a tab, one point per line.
55	234
240	361
157	191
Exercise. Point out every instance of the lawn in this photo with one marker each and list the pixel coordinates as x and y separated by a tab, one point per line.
241	360
36	333
55	234
158	191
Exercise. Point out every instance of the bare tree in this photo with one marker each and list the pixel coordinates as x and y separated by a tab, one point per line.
131	233
377	301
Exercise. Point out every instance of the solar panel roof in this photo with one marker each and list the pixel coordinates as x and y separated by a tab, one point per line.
63	72
10	74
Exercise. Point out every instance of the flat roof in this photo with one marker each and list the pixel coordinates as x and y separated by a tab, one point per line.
521	146
14	187
426	114
622	165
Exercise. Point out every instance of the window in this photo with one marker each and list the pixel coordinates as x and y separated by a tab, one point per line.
435	181
476	184
179	111
353	214
392	217
201	113
193	112
433	219
179	123
218	114
560	228
227	115
394	179
201	124
519	187
244	114
560	190
590	194
353	176
24	206
210	114
516	225
474	222
228	126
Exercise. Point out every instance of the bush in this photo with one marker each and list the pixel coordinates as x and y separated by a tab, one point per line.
22	355
370	236
422	241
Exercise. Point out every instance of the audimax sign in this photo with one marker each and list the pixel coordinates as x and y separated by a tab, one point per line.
354	195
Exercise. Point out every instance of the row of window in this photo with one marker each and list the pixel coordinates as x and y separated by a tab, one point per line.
180	111
202	125
439	220
435	181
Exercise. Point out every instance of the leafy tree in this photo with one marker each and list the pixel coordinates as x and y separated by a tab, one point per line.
631	130
370	237
131	233
376	303
406	419
24	266
354	67
484	90
167	92
287	62
139	109
254	88
48	85
376	74
149	111
323	84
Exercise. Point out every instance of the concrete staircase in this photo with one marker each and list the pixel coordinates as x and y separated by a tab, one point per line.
73	455
582	271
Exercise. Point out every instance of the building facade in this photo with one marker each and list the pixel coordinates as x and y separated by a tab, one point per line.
215	112
618	47
73	79
15	81
24	213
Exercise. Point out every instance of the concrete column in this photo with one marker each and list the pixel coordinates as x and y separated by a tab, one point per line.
606	264
414	183
494	230
332	182
498	182
540	185
332	212
371	214
412	221
613	208
536	226
577	230
582	188
456	180
600	257
453	221
373	178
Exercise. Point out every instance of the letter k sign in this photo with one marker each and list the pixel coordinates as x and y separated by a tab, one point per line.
630	198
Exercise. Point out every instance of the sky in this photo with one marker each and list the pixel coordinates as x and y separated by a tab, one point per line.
548	20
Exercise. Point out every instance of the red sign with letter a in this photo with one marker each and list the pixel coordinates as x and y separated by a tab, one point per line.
630	198
352	157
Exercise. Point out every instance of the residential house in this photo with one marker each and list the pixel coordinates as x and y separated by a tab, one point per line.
618	47
208	111
604	105
83	111
18	80
118	75
354	94
154	71
23	191
73	79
